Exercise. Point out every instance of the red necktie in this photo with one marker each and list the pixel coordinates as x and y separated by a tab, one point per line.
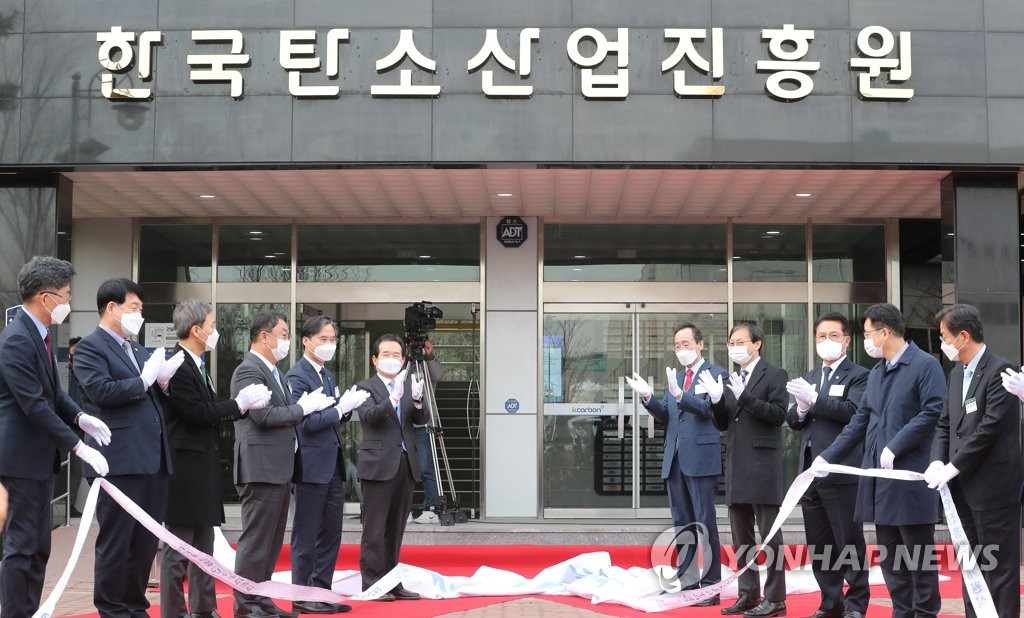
689	380
49	350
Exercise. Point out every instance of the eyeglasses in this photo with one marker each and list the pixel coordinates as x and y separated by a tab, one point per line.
59	295
871	333
737	343
831	336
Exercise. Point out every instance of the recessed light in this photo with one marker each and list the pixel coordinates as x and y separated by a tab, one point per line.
255	238
773	232
61	233
207	196
504	195
577	269
580	257
803	194
737	257
950	234
255	233
270	257
425	257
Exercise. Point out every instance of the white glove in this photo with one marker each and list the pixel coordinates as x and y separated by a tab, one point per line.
350	400
253	397
815	468
417	388
887	458
804	393
1013	381
151	370
168	368
399	389
673	384
92	457
96	428
714	387
933	467
314	401
940	476
736	384
640	386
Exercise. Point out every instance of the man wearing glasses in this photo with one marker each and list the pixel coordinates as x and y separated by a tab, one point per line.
826	399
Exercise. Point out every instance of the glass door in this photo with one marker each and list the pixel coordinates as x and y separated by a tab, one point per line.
602	452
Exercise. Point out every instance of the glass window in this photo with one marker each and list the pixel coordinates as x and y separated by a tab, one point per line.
616	252
849	253
411	252
765	252
175	253
254	253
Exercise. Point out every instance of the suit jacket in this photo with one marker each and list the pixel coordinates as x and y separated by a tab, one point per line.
827	417
319	442
982	444
193	425
753	445
117	395
381	448
690	435
265	438
36	416
899	410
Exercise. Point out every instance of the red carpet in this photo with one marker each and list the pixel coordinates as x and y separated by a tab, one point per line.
528	560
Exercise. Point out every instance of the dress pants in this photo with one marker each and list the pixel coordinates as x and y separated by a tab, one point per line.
26	545
124	548
741	519
835	541
316	530
202	594
692	501
999	528
385	510
264	516
910	569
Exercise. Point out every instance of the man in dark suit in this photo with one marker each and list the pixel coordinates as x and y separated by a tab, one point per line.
826	399
36	421
118	382
319	486
194	502
389	463
692	461
265	449
895	423
977	453
752	408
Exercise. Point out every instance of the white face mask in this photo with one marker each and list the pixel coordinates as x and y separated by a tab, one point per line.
686	357
829	350
132	322
283	345
951	351
59	313
739	354
871	349
325	351
211	339
389	366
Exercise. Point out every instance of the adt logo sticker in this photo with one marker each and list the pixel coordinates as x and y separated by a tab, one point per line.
511	232
511	406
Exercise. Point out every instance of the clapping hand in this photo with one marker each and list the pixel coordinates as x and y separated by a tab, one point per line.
714	387
151	370
168	368
640	386
1013	381
804	393
673	383
736	385
350	400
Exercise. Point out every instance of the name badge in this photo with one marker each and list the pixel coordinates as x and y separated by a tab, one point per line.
836	390
971	405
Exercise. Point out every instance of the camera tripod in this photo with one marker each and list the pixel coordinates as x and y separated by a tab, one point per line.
448	511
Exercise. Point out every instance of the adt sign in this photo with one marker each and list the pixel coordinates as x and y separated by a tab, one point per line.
512	405
511	232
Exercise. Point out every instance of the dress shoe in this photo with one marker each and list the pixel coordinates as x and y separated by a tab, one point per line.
741	605
852	613
387	596
203	615
713	601
274	610
403	594
824	614
317	607
767	608
255	613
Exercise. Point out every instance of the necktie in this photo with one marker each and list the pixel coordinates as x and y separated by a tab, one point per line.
398	408
127	345
326	380
277	376
689	379
202	371
49	349
968	374
826	373
743	375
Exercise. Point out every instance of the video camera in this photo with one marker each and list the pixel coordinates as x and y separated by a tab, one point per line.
420	319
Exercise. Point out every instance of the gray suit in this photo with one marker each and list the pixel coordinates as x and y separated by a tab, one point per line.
264	461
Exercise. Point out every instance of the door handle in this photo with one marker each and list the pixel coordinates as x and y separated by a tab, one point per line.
650	417
622	406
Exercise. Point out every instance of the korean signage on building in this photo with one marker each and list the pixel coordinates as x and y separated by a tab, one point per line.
694	68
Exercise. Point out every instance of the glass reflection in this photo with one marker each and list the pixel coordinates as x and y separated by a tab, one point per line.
254	253
766	252
849	253
175	253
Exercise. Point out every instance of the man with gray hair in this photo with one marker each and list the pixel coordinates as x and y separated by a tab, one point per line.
194	502
36	417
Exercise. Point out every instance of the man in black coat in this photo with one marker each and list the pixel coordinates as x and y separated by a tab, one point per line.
195	505
977	453
826	399
752	409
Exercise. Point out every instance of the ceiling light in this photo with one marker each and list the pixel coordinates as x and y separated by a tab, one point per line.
773	232
424	257
504	195
577	269
949	234
736	257
803	194
255	233
580	257
255	238
270	257
207	196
